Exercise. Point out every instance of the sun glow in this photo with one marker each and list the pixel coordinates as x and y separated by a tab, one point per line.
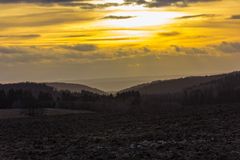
141	19
107	1
113	1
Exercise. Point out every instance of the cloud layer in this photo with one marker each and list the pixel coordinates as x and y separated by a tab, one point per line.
70	38
87	4
86	53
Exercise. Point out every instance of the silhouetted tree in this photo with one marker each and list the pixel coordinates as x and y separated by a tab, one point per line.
3	99
45	100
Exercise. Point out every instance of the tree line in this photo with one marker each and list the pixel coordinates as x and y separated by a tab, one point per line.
33	96
224	90
37	100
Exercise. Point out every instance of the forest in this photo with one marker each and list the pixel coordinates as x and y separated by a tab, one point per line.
39	96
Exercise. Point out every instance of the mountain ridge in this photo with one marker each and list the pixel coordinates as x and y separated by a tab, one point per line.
160	87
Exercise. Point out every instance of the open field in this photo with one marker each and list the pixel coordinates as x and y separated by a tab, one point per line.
188	133
18	113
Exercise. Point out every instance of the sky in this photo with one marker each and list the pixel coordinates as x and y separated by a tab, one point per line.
57	40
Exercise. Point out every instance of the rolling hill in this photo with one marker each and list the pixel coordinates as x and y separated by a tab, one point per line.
48	87
73	87
230	81
222	90
34	87
172	86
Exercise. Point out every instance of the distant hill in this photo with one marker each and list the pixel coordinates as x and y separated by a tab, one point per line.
223	90
34	87
171	86
230	81
48	87
114	84
73	87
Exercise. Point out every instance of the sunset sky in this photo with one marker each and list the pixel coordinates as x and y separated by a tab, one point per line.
53	40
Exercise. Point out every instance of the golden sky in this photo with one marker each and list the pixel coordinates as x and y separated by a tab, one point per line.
74	39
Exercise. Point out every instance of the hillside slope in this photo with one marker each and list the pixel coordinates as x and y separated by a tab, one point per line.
171	86
222	90
73	87
31	86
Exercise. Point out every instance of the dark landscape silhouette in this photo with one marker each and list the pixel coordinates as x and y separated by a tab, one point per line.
172	119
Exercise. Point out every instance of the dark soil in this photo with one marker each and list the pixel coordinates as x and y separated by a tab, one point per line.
187	133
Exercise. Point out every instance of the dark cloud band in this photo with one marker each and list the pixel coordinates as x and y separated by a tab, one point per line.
118	17
235	17
86	4
196	16
162	3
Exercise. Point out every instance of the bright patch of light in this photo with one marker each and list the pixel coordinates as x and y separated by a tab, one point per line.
132	33
113	1
128	8
107	1
141	19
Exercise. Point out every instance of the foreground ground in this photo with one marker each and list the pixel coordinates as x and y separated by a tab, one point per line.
188	133
20	113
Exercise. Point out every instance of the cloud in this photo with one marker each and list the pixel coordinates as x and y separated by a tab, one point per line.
27	36
30	54
196	16
82	47
54	54
189	50
89	4
42	19
14	50
84	4
228	47
81	53
169	34
163	3
112	39
77	36
237	16
95	6
87	53
118	17
222	48
37	1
